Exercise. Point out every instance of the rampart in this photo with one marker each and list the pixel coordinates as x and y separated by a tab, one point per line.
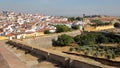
57	57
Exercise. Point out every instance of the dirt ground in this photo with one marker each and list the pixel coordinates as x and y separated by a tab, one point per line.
29	60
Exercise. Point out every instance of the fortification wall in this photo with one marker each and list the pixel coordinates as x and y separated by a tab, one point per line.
98	28
65	61
79	64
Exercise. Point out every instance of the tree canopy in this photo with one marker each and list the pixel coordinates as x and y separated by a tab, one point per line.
64	40
62	28
117	25
90	39
99	23
75	27
79	18
71	18
75	19
47	32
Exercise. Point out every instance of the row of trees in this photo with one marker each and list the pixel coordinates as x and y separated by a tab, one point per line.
88	39
95	21
99	23
59	29
75	19
63	28
108	52
90	44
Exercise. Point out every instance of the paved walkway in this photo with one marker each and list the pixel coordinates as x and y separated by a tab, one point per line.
10	60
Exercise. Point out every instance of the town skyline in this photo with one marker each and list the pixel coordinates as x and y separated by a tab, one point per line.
63	7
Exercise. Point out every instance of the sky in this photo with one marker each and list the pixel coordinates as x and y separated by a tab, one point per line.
63	7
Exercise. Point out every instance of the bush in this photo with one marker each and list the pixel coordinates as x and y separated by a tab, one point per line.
91	39
117	25
75	27
96	54
85	52
47	32
79	18
64	40
101	39
77	38
62	28
99	23
71	49
88	39
75	19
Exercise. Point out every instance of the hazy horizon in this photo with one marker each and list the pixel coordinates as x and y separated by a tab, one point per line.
63	7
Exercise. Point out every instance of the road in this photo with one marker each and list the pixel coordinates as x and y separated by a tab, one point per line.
46	41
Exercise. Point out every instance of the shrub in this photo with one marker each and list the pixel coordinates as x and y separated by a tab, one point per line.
117	25
77	38
71	49
64	40
47	32
62	28
101	39
75	27
88	39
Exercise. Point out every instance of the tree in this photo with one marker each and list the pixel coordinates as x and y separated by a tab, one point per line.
71	49
62	28
96	54
47	32
99	23
111	37
88	39
64	40
75	19
71	19
79	18
91	39
101	39
77	38
117	25
75	27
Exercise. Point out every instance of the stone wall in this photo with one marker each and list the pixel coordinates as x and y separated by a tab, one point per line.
56	58
79	64
61	60
98	28
40	53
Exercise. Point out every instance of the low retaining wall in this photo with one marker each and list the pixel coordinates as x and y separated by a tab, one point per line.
79	64
61	60
56	58
40	52
101	60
